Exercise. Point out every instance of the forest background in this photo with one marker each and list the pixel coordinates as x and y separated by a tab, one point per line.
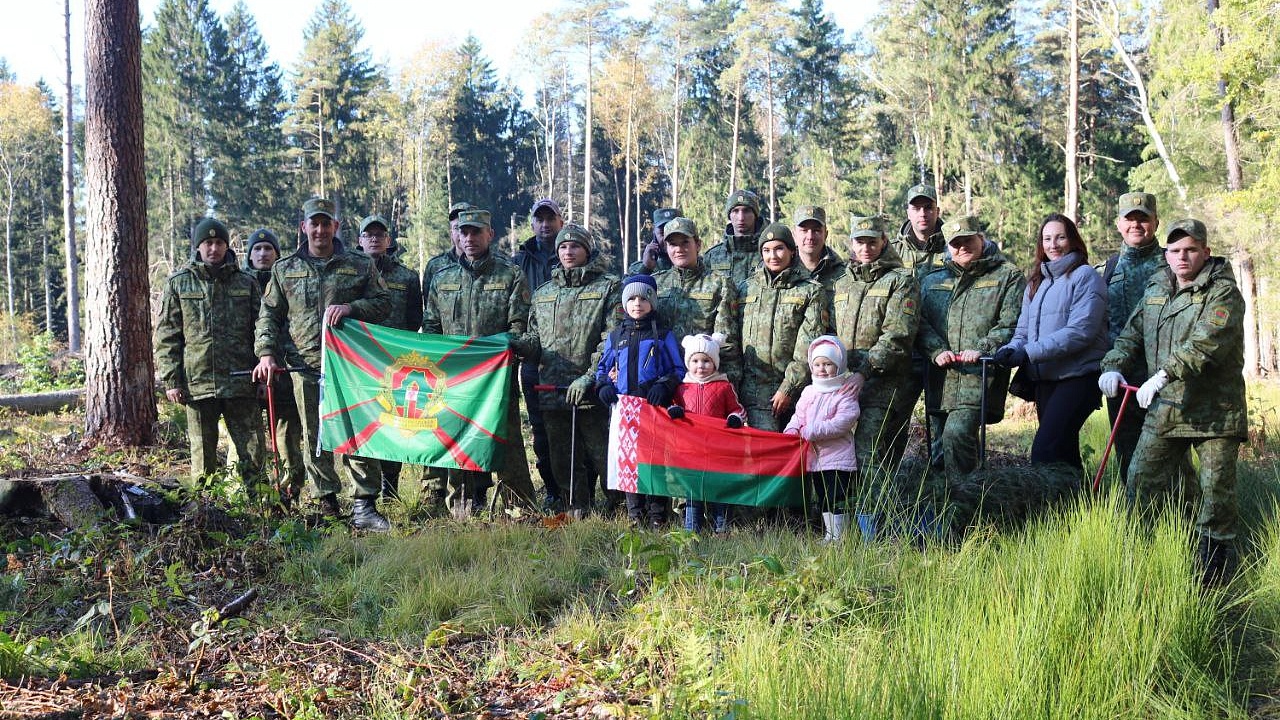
1011	110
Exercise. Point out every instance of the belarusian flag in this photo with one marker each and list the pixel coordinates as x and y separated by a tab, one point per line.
411	397
697	457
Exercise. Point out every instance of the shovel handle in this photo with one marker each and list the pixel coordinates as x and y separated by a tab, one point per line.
550	388
1129	390
297	369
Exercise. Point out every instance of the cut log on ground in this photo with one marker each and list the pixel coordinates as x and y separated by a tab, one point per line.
37	403
81	500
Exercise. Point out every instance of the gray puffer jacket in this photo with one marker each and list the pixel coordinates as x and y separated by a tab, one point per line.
1064	327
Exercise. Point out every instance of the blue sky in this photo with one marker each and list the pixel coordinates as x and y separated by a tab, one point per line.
31	36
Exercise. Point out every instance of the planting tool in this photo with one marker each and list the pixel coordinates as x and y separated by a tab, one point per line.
1129	390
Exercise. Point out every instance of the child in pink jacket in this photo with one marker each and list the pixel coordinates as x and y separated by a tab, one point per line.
826	417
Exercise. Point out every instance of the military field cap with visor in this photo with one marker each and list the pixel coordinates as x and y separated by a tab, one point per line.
547	203
373	220
1189	227
1144	203
474	218
680	226
962	227
805	213
742	197
575	234
210	228
458	207
922	191
776	231
662	216
318	206
867	227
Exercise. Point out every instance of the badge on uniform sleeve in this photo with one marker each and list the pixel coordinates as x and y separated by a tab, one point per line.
1219	316
909	306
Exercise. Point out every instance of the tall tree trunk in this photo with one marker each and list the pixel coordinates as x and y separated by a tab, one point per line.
675	140
733	152
69	196
586	144
1071	193
46	271
768	82
626	183
120	403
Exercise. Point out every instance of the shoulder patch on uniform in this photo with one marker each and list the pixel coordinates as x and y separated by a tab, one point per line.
909	306
449	287
1219	316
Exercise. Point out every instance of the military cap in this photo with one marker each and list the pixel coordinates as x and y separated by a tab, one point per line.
209	228
374	220
263	235
805	213
458	207
742	197
547	203
1190	227
867	227
680	226
776	231
474	218
922	190
575	233
662	216
1144	203
963	227
318	206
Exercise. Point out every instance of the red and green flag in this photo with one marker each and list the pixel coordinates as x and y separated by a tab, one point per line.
412	397
697	457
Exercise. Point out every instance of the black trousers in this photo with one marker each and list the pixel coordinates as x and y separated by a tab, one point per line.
1062	407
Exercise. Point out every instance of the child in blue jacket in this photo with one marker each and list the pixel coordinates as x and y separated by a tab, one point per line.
641	358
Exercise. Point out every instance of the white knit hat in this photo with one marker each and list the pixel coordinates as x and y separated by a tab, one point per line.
701	343
829	347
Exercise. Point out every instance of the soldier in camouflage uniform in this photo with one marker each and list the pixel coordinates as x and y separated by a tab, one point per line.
920	247
484	294
537	259
204	333
320	284
810	232
738	255
694	300
783	310
1126	274
406	313
1189	329
263	252
875	312
569	319
969	309
654	258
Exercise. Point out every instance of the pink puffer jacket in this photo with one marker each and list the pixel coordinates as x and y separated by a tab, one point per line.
826	420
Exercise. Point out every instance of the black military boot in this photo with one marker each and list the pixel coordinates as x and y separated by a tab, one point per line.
328	505
390	488
1217	560
365	516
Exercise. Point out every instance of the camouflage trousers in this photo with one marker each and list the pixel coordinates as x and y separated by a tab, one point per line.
515	486
880	439
956	440
1154	479
764	419
1130	431
588	446
364	473
244	425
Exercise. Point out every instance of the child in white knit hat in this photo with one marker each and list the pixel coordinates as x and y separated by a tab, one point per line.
706	391
826	417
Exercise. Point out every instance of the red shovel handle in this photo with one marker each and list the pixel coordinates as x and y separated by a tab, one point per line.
1111	441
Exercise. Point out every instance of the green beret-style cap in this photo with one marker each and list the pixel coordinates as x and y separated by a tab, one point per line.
474	218
1144	203
872	226
680	226
1190	227
963	227
805	213
210	228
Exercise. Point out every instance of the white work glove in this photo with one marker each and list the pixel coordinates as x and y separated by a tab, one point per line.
1147	393
1110	383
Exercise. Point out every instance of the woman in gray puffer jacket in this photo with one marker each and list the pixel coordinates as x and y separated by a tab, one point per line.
1061	337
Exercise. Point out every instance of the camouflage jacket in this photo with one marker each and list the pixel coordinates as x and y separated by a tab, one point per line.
637	266
781	315
302	287
570	317
974	308
697	300
920	260
829	268
205	330
876	316
1128	281
1196	335
482	298
433	268
737	256
406	293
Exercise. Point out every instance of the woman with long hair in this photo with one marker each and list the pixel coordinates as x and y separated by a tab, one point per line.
1061	337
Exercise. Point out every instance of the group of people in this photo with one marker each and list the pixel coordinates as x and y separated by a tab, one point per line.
770	328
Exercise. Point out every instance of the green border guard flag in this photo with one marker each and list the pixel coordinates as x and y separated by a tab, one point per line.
412	397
